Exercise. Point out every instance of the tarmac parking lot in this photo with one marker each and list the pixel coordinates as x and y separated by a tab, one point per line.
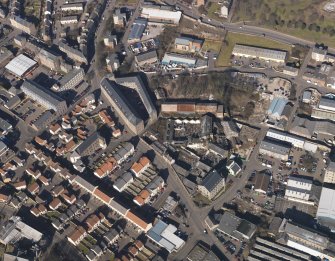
233	248
152	30
298	165
28	110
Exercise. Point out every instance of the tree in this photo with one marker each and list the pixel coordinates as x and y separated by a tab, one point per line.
300	24
273	19
166	38
281	23
289	24
248	110
202	10
311	27
262	18
322	18
314	16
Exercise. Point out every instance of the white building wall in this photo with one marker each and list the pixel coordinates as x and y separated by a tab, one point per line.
299	184
291	193
308	250
295	141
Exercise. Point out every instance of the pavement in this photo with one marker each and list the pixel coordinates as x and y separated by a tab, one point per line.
198	215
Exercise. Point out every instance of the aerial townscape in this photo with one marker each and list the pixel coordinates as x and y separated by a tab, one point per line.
182	130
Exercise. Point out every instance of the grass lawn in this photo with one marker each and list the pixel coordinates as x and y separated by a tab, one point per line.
308	11
91	239
317	37
235	38
214	10
212	45
83	249
52	214
201	200
123	2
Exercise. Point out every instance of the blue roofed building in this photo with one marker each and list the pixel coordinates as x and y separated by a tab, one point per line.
137	30
276	108
163	234
188	44
174	59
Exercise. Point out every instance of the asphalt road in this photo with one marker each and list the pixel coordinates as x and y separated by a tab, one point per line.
240	27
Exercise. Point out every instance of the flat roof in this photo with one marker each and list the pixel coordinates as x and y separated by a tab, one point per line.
146	56
304	234
327	103
326	207
163	234
137	29
275	147
178	59
263	53
20	65
277	106
156	12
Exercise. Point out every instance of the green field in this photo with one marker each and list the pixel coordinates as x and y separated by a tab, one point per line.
123	2
213	11
235	38
301	18
212	45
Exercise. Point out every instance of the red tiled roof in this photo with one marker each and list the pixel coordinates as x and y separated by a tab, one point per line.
69	199
77	233
92	221
139	200
40	141
138	244
44	180
102	196
3	198
33	188
136	167
137	220
55	203
144	161
35	211
133	251
55	127
19	184
41	208
144	194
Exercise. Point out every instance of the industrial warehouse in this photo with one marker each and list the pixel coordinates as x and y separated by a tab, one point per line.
260	53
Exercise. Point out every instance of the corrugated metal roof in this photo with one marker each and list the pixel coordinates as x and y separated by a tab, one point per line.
20	64
275	147
326	207
263	53
277	106
178	59
137	29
